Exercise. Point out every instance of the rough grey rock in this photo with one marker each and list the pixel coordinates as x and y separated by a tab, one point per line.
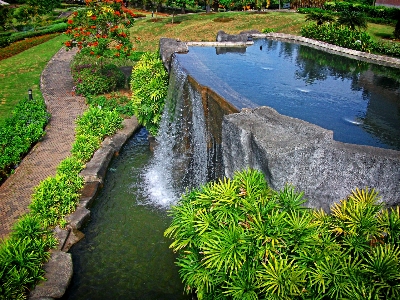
62	236
235	38
289	150
78	218
96	168
168	47
88	193
74	236
58	276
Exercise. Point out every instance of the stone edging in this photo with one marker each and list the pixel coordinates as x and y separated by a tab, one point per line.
369	57
59	269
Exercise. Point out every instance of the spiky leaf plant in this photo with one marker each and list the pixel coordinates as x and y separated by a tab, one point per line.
239	239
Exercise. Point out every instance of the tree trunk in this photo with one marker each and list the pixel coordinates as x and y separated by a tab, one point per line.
208	8
215	5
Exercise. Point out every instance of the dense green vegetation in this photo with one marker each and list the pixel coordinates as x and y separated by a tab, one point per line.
20	132
239	239
149	86
22	255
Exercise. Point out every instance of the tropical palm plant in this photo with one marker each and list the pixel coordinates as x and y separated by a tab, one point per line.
352	20
239	239
320	17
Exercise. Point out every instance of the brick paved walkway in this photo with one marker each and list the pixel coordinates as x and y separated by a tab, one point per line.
43	159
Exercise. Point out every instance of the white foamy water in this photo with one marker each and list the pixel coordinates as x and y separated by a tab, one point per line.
180	156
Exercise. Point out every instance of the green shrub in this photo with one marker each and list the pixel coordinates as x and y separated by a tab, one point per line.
21	261
149	86
97	79
239	239
4	41
24	128
338	35
56	28
92	127
55	197
98	122
267	30
122	104
371	11
391	49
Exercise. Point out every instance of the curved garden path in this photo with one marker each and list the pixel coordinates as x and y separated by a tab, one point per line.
43	159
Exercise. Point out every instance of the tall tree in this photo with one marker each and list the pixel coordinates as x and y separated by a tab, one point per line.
397	28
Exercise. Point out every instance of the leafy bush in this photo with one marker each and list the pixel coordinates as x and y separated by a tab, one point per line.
338	35
122	104
21	261
24	128
369	10
98	122
392	49
56	28
55	197
239	239
18	47
4	41
92	127
149	86
97	79
267	30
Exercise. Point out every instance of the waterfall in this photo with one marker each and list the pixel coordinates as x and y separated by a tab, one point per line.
181	158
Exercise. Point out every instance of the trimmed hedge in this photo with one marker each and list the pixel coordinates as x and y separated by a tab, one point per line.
371	11
18	36
24	128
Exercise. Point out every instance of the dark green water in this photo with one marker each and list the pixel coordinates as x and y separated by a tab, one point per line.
124	254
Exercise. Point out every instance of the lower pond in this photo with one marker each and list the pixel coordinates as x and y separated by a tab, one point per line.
124	254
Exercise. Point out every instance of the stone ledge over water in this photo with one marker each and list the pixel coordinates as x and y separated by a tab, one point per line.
289	150
368	57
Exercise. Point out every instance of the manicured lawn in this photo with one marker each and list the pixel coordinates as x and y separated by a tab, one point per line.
202	27
22	72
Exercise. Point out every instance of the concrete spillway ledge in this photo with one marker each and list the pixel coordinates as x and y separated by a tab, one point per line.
289	150
220	44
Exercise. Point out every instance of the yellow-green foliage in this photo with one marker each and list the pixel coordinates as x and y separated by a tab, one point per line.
239	239
149	87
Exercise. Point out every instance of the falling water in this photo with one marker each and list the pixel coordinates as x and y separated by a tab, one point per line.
181	157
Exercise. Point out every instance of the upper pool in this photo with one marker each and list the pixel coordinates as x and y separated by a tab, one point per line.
358	101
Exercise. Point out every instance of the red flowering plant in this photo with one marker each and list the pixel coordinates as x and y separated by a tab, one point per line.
101	29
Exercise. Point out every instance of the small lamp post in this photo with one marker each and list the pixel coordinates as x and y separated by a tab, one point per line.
30	97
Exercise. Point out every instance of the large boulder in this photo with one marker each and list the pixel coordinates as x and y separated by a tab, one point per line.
289	150
223	37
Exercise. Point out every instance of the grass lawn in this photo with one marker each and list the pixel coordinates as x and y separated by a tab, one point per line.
22	72
202	27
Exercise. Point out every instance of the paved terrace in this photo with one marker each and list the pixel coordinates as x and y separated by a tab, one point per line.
43	159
